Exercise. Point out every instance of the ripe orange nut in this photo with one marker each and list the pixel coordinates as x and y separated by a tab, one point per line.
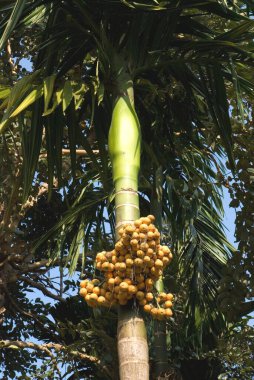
144	246
117	266
168	304
93	297
146	259
165	249
83	292
122	266
89	287
147	308
160	254
101	257
149	296
151	217
163	296
96	290
138	262
114	259
154	311
151	244
158	264
128	281
134	242
111	267
124	286
161	313
165	261
150	252
156	234
169	297
83	283
143	228
151	227
135	235
146	220
111	282
129	229
168	313
129	262
101	300
142	237
149	282
109	255
121	231
105	266
140	254
137	223
132	289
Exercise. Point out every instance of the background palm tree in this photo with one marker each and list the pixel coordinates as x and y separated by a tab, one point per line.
188	65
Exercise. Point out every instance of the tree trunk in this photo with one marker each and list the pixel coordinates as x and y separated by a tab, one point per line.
160	343
124	149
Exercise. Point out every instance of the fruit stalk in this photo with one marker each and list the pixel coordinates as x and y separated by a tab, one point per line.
124	149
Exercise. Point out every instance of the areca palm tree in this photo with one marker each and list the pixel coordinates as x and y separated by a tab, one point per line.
122	63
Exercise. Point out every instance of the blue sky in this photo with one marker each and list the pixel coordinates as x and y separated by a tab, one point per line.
229	218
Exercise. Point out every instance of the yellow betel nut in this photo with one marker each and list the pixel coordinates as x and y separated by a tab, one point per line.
148	308
83	283
151	217
131	269
143	228
149	296
169	297
124	286
89	287
129	229
101	300
154	311
158	264
96	290
132	289
168	313
93	297
160	313
168	304
138	262
83	292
